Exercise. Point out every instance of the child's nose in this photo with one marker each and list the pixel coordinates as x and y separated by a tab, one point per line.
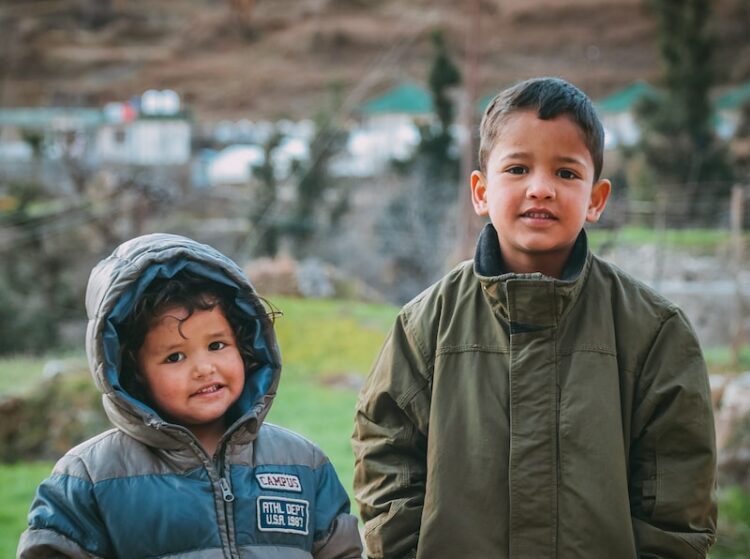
540	188
204	367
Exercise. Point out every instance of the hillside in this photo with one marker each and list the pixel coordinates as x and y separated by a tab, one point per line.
283	57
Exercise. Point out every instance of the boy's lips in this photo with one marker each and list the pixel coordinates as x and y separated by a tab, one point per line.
538	213
208	389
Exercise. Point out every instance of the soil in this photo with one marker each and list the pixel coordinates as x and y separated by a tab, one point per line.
263	58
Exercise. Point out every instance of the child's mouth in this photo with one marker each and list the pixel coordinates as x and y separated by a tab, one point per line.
538	214
208	389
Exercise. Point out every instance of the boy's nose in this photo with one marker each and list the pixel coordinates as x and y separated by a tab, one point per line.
204	368
540	189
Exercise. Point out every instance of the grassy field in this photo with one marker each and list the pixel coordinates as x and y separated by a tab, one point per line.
692	240
17	484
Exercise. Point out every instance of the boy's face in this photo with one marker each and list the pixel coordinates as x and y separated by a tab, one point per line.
193	369
538	191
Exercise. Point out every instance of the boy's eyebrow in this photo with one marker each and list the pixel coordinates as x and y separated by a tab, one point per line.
569	159
223	333
167	347
220	333
526	155
515	155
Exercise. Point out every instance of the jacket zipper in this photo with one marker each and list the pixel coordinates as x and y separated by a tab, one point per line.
226	490
218	469
228	496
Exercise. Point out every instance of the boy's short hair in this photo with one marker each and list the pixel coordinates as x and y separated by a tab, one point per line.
549	97
192	292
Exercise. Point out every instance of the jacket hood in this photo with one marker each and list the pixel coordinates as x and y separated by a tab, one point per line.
116	284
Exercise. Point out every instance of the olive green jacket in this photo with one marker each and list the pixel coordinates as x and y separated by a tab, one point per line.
526	417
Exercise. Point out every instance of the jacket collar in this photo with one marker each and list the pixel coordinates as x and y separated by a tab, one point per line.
529	301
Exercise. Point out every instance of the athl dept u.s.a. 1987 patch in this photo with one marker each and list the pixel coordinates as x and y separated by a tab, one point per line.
280	514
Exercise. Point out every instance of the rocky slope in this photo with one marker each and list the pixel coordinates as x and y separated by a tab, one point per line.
283	57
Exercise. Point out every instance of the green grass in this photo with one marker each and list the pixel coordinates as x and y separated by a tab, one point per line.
17	486
320	338
720	359
21	373
734	525
692	240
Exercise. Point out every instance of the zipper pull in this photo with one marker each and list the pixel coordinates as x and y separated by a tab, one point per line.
226	491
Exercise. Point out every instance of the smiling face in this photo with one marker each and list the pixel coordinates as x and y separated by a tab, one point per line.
192	369
538	191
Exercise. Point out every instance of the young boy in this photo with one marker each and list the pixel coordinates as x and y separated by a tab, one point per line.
537	402
186	357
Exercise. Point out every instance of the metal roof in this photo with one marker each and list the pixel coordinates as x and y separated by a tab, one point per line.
735	98
623	100
51	117
407	98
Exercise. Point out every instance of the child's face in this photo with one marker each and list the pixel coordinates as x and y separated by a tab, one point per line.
193	369
538	191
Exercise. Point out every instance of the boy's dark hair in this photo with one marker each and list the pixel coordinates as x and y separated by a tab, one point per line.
194	293
549	97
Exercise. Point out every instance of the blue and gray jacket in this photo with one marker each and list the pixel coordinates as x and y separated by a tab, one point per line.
148	489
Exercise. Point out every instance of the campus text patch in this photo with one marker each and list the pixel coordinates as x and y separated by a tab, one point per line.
279	482
279	514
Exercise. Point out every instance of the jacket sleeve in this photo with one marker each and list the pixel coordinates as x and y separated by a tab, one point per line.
390	445
673	451
337	533
63	521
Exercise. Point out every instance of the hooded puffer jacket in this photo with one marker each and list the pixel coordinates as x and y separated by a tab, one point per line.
517	416
147	488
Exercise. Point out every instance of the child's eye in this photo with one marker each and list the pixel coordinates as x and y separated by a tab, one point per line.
567	174
516	170
213	346
174	357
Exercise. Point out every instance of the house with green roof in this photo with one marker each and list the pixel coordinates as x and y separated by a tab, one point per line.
26	130
617	112
388	128
729	109
405	99
150	130
625	99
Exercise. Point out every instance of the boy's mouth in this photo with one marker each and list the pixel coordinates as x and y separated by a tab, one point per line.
210	389
537	213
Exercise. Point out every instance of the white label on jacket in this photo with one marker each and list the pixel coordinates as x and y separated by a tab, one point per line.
279	482
280	514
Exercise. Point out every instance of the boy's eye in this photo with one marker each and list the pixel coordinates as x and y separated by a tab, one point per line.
213	346
516	170
567	174
174	357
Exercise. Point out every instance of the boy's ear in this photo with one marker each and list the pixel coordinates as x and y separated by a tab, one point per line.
597	202
479	193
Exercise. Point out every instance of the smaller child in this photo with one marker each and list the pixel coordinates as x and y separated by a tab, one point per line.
186	357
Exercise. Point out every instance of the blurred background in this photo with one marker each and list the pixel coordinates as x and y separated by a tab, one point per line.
326	146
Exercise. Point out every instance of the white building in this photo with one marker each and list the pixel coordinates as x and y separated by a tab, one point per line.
153	131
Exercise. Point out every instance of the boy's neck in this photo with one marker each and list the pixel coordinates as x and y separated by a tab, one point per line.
492	260
209	435
550	264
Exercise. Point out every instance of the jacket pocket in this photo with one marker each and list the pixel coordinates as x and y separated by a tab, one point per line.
644	487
